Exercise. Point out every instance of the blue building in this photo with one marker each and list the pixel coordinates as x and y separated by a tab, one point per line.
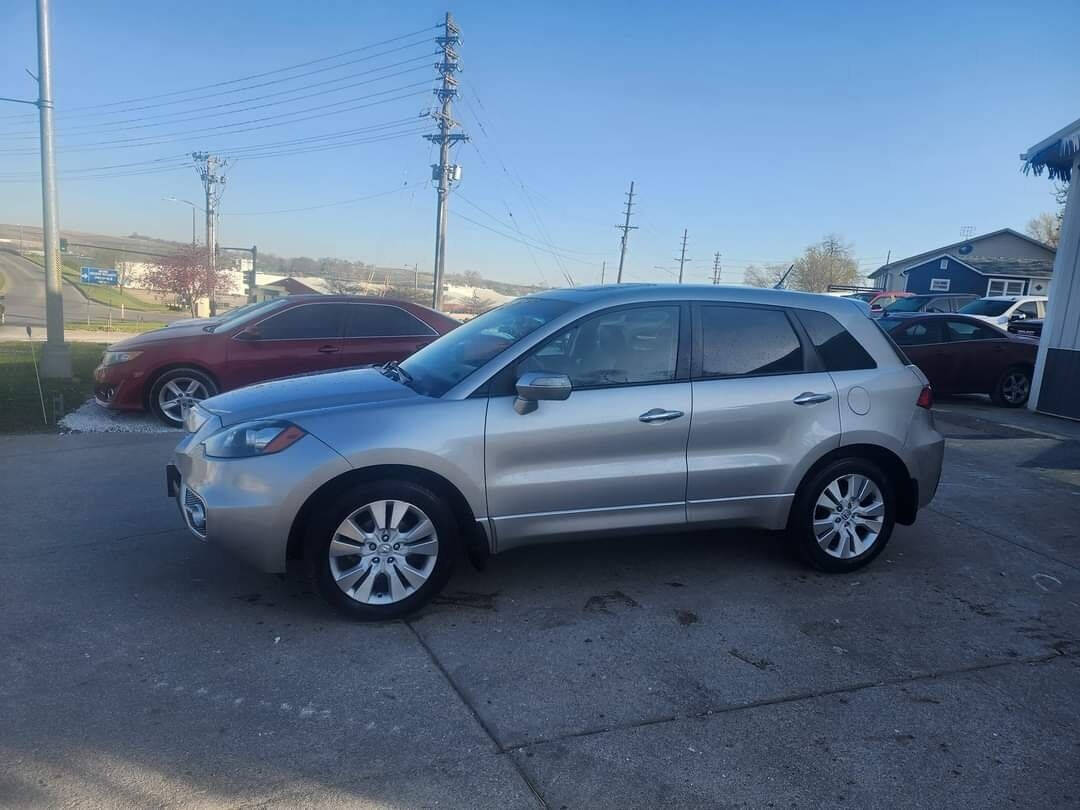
1002	262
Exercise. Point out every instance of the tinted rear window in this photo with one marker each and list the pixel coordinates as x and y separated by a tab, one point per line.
986	306
739	341
381	320
839	351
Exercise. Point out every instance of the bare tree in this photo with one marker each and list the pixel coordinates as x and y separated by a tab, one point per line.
343	286
766	276
186	274
830	261
1046	227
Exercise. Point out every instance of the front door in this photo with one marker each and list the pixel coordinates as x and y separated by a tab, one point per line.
612	455
298	340
760	409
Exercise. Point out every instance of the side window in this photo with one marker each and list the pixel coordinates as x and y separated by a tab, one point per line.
921	333
307	322
966	330
938	305
836	346
381	320
738	341
1028	309
627	346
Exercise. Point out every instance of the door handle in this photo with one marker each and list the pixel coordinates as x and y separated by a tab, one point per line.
659	415
329	349
810	398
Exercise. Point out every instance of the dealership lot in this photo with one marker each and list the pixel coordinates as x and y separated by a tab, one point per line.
142	667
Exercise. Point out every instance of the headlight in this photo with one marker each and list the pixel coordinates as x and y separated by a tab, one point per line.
252	439
195	418
116	358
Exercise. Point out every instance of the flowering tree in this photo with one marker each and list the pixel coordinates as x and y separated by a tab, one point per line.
186	274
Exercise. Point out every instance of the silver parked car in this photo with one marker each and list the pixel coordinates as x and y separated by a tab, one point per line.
566	414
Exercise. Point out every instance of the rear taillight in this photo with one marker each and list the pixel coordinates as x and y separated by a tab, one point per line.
926	397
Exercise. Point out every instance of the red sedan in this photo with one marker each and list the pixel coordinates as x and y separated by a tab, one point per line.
964	355
166	370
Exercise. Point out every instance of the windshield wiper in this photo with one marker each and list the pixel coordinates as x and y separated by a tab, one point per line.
391	367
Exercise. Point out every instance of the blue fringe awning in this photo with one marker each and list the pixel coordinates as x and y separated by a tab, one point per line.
1055	155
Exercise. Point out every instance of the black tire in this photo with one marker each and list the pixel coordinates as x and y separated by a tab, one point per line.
323	532
176	375
804	511
1013	387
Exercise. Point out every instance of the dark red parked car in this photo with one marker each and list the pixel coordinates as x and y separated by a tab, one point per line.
166	370
963	355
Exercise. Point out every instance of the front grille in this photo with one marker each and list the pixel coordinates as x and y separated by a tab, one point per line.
193	502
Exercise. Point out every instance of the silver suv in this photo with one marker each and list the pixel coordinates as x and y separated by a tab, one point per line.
571	413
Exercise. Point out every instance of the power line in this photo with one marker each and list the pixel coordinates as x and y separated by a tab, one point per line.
168	137
493	218
122	126
513	238
315	207
249	77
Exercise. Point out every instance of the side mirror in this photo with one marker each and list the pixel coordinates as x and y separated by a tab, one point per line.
1017	316
251	333
875	307
533	386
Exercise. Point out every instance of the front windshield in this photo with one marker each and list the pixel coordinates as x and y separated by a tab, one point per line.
906	305
986	306
246	313
441	365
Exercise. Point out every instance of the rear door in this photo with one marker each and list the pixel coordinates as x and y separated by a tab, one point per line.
978	354
612	455
377	333
760	408
923	341
298	340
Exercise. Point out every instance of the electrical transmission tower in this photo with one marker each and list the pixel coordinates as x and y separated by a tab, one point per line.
211	170
445	173
682	255
716	269
626	227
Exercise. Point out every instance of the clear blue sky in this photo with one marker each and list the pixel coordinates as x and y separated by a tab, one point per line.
757	126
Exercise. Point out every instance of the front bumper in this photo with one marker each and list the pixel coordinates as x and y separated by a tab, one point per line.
248	505
118	388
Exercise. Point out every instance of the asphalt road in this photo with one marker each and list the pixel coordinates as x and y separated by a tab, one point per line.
141	667
24	295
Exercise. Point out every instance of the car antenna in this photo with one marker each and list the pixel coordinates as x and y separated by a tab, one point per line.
780	284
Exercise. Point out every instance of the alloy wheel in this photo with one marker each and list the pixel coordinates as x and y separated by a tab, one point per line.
849	516
1015	387
179	394
383	552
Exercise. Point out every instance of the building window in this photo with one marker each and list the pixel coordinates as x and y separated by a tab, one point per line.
1005	286
943	264
940	284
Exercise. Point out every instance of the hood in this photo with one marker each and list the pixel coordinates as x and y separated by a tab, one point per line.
154	336
359	386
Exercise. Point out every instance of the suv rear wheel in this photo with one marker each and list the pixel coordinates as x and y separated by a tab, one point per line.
382	549
843	515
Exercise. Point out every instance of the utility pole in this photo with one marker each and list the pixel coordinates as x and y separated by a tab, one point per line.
626	227
56	355
603	272
716	268
211	170
682	255
445	173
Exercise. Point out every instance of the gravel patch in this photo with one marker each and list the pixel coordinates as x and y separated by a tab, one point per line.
92	418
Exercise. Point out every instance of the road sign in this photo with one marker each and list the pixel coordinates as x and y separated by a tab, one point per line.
96	275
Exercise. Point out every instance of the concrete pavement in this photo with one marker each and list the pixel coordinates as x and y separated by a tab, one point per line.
144	667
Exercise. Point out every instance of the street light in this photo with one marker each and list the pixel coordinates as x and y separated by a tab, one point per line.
194	208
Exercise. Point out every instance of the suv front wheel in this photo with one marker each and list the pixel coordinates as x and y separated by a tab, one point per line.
843	515
382	549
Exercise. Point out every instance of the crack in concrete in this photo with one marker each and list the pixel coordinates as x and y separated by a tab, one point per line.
1003	538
